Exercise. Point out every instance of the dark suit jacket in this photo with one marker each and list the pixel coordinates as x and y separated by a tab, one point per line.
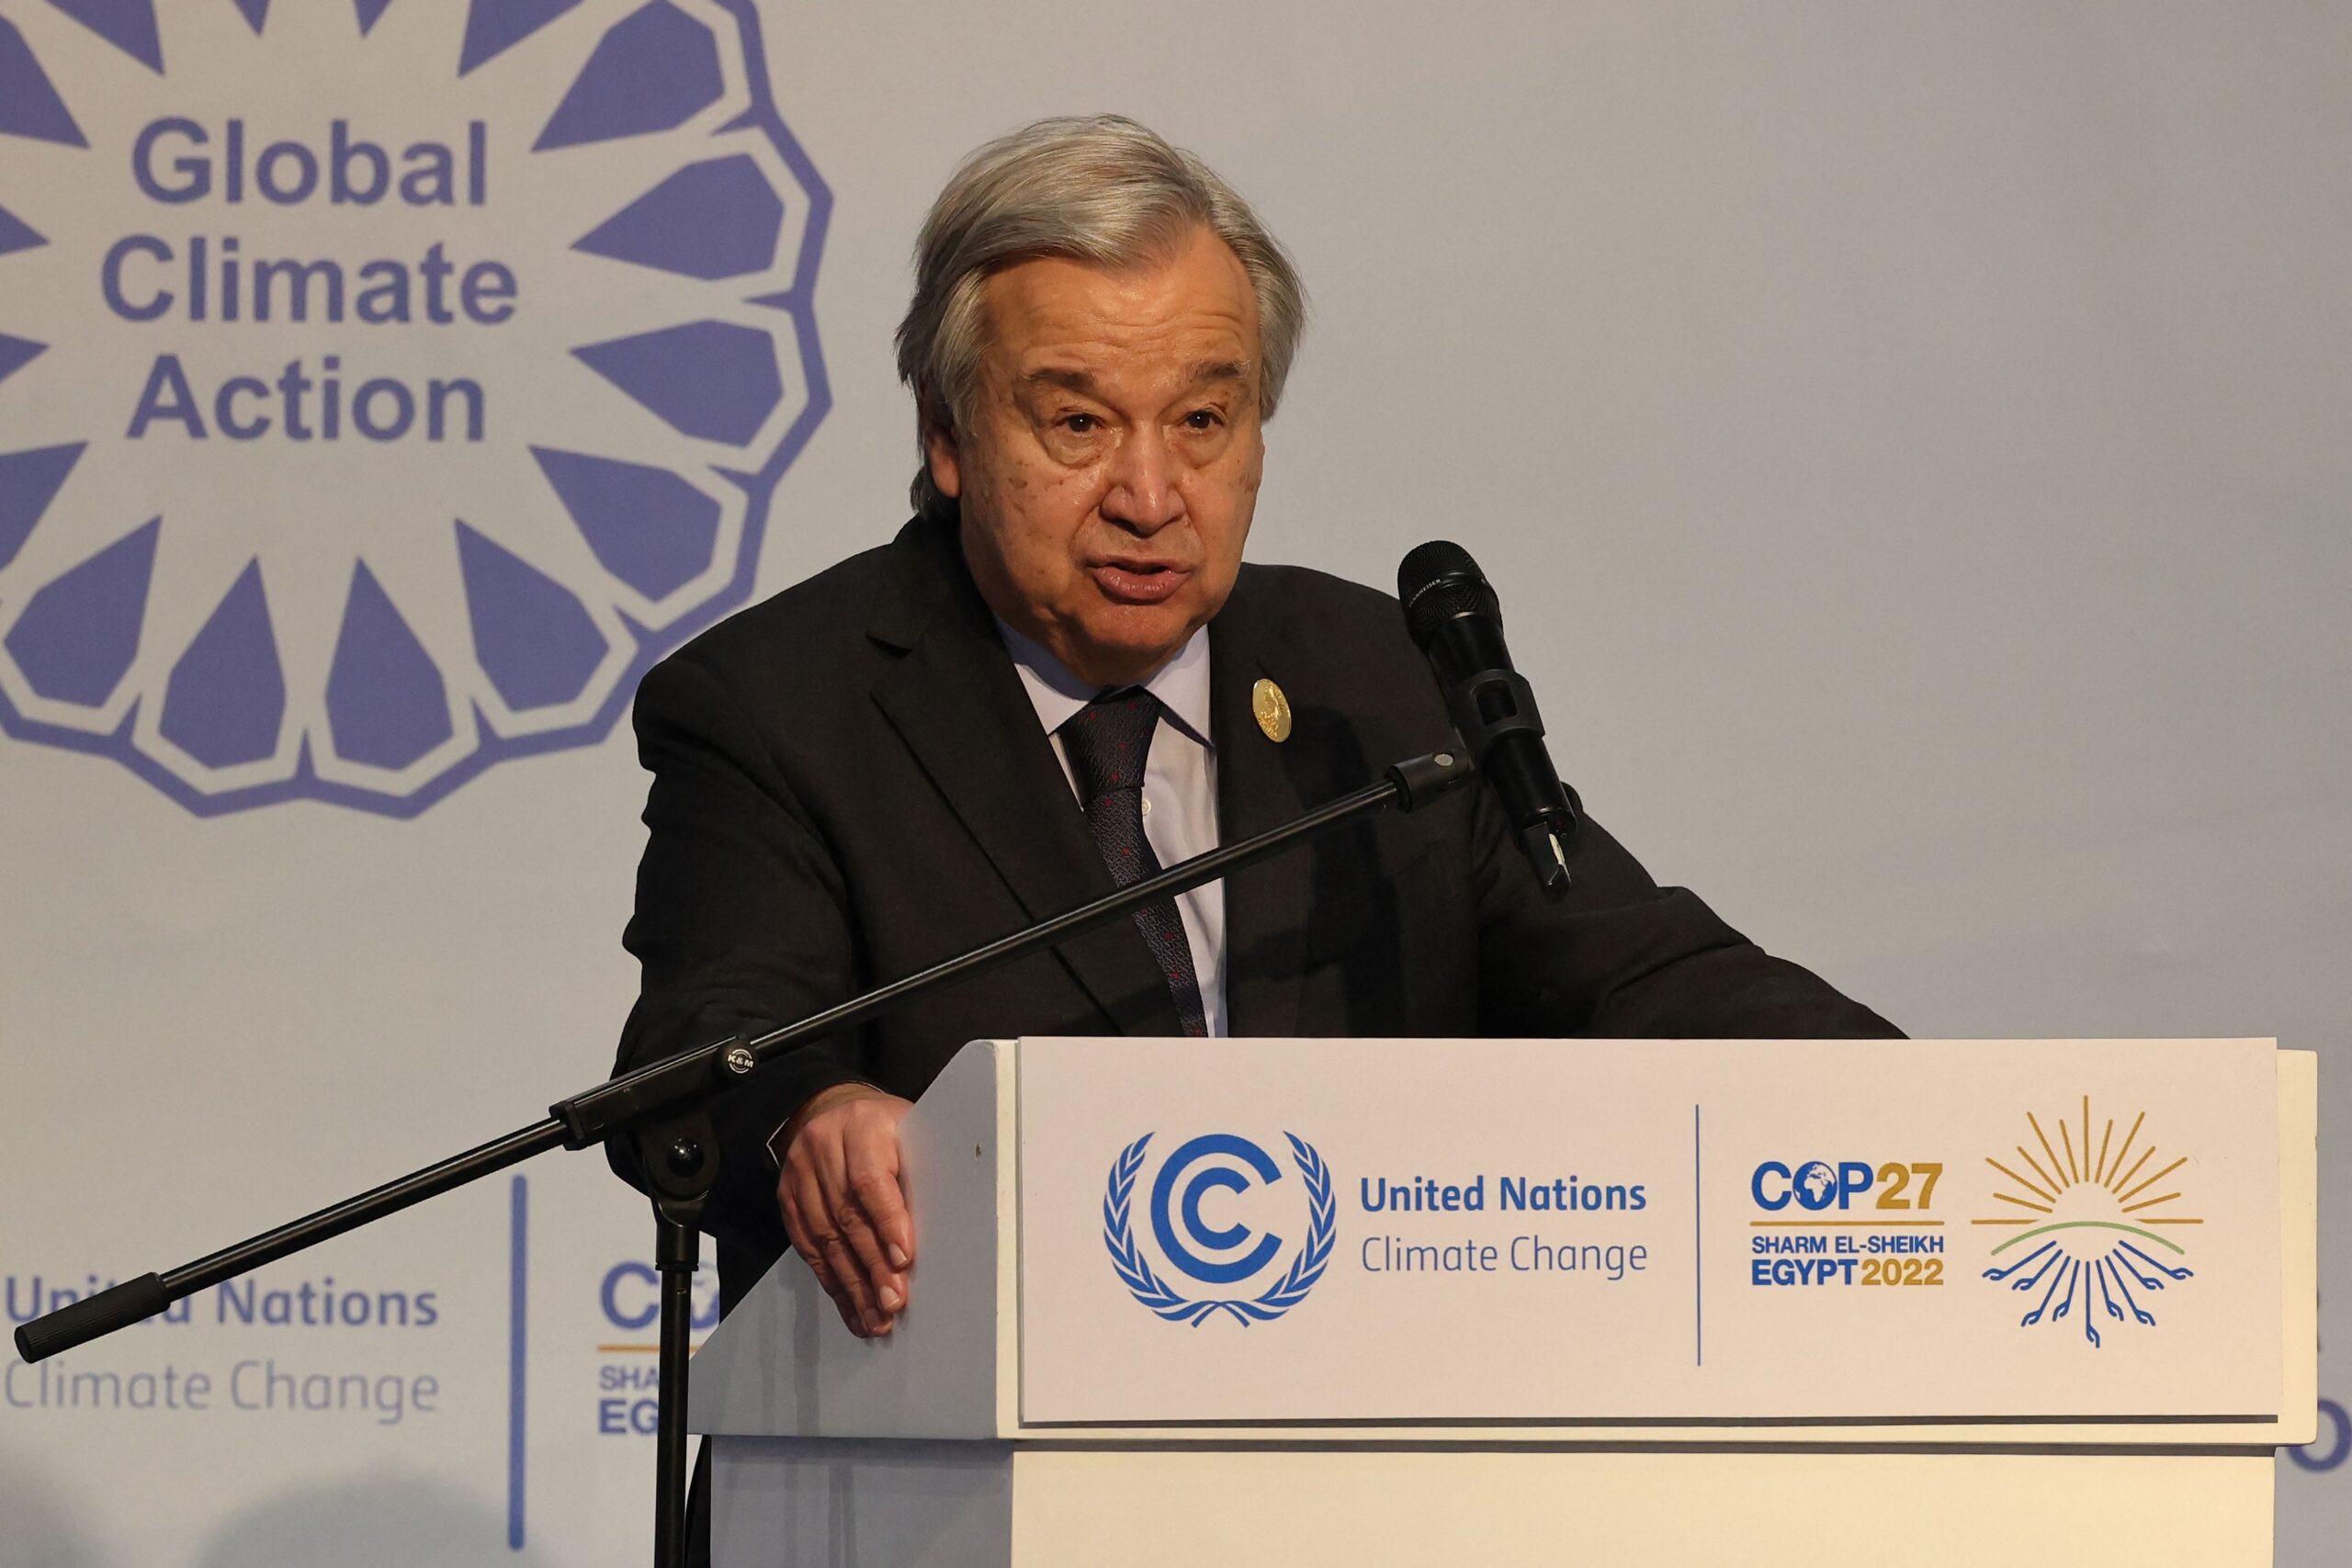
850	784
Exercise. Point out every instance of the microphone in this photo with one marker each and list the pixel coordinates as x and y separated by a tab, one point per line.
1453	618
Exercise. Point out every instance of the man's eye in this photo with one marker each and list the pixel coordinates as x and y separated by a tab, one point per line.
1081	424
1200	419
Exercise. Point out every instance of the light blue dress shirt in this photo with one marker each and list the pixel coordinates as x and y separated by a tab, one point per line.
1178	781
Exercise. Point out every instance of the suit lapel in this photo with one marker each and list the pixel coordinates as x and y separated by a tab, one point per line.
957	703
1257	787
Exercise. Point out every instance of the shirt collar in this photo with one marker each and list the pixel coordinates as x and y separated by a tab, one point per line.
1181	684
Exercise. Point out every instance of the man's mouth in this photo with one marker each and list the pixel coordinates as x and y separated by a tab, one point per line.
1138	582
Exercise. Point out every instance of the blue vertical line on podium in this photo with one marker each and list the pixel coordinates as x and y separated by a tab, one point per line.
1698	1253
518	1325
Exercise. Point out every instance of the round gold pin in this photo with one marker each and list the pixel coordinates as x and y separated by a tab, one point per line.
1266	701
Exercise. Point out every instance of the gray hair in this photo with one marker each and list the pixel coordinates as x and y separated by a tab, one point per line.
1100	189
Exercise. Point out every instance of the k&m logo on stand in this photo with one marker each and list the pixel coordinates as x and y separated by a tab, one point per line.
2096	1242
1192	1245
384	384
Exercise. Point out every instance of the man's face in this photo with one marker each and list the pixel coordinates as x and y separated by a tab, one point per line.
1110	468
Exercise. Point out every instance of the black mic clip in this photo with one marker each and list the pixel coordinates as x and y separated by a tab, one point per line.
1491	705
1487	707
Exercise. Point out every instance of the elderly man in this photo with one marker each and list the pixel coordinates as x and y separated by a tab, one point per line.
1060	675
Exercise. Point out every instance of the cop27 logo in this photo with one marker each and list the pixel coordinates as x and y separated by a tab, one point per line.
2097	1237
1194	1245
384	384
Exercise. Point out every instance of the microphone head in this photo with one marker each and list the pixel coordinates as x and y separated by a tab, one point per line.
1438	581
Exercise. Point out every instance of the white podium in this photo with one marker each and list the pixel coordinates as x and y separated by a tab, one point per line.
1597	1303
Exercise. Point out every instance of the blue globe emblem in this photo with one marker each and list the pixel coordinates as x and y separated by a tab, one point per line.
1817	1185
384	384
1207	1250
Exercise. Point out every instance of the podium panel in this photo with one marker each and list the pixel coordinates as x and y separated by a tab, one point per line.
782	1503
1663	1230
1856	1301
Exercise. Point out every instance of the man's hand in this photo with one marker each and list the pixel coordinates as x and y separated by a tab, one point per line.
845	1207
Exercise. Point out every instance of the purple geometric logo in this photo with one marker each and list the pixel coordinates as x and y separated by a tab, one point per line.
384	384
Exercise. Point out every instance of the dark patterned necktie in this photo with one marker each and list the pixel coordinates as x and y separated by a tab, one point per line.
1108	742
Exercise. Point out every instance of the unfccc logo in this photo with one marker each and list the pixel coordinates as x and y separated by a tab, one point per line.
384	384
1192	1241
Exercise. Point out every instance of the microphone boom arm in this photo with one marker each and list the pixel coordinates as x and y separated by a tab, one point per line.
663	1107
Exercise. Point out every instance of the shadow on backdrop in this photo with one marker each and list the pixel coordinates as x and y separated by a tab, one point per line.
37	1529
405	1521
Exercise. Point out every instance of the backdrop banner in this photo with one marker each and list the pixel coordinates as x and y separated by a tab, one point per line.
1910	443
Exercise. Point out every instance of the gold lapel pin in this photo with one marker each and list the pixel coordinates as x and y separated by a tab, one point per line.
1271	708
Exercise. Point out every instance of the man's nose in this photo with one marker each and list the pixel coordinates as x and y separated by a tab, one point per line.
1144	494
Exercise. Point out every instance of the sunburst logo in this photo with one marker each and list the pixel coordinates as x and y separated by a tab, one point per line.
2096	1232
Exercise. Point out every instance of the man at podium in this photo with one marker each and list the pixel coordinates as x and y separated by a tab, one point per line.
1059	678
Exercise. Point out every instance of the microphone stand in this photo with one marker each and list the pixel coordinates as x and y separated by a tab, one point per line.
663	1107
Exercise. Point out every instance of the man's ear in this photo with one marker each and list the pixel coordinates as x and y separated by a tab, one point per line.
946	459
